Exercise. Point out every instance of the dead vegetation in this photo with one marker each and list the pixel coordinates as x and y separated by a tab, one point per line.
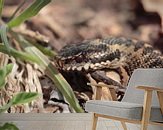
66	22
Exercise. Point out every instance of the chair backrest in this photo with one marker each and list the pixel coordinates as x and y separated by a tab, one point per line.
143	77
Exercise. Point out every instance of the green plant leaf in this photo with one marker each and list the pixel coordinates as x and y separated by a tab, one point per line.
5	107
3	34
24	97
8	126
20	38
20	98
49	69
3	73
44	50
1	7
31	11
19	54
63	86
52	72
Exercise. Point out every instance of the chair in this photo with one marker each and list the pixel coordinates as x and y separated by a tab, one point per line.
137	106
99	88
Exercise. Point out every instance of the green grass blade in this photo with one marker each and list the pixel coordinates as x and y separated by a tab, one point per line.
45	50
19	54
3	73
18	8
56	77
31	11
1	7
3	34
64	87
20	38
52	72
36	56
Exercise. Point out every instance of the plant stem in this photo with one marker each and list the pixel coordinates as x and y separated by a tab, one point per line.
17	9
1	7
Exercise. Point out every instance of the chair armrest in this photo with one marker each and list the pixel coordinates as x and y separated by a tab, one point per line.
150	88
98	92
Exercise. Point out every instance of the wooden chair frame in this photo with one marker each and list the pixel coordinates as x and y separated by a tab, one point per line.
146	110
98	93
98	96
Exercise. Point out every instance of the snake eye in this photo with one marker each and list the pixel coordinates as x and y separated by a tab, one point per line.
79	59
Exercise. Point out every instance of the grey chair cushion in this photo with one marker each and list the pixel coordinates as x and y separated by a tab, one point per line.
125	110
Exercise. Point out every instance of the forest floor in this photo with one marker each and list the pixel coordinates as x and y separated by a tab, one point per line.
65	22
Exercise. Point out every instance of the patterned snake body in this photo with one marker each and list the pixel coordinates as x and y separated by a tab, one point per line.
109	53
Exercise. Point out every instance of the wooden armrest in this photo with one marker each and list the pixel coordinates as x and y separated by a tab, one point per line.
149	88
101	85
98	92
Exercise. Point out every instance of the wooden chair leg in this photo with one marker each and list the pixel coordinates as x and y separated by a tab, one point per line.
124	125
146	109
98	93
160	98
113	94
94	121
